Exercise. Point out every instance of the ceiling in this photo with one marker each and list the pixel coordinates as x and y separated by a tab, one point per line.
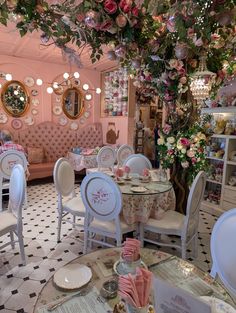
30	47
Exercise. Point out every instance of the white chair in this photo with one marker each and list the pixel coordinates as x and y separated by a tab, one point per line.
175	223
103	202
223	251
137	163
68	202
11	219
106	158
7	161
122	154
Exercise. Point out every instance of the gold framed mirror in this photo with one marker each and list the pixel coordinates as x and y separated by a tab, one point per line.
73	103
15	98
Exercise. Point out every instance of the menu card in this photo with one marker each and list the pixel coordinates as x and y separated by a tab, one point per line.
175	300
90	303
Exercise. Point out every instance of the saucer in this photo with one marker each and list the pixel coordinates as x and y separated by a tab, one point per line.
139	189
120	182
220	306
120	270
72	276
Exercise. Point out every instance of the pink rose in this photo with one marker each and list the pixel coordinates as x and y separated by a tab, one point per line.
183	80
127	169
110	6
166	129
184	142
135	11
193	63
198	42
194	160
170	152
181	71
190	32
173	75
190	153
146	172
80	17
173	63
119	172
106	25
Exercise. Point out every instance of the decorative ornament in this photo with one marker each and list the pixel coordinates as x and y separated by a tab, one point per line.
120	51
181	51
111	55
121	20
92	19
202	81
136	63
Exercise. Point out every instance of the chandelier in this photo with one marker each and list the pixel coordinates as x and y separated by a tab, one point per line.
69	81
202	81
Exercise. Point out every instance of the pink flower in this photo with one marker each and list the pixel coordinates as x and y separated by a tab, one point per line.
125	5
170	152
193	63
127	169
184	142
80	17
185	164
190	153
166	129
172	75
194	160
198	42
119	172
135	11
215	37
190	32
110	6
181	71
145	172
106	25
183	80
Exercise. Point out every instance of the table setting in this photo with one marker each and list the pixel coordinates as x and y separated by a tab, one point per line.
91	284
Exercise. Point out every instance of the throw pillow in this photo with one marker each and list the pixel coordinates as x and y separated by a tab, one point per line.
35	155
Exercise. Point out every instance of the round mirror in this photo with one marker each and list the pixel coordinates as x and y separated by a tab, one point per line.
73	103
15	98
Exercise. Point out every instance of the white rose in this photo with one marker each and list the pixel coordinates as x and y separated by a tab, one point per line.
185	164
183	151
179	146
170	140
160	141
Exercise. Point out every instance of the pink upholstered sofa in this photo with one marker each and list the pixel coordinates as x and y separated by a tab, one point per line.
56	141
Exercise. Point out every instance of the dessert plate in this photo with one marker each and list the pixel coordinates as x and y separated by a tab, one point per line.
218	306
138	189
72	276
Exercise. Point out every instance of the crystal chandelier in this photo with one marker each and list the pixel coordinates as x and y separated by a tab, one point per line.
202	81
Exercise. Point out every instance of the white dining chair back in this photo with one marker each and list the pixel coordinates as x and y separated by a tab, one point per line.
175	223
11	219
106	158
102	199
68	201
7	161
123	153
223	251
137	163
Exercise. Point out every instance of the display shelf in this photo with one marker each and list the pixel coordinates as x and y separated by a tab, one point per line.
218	110
233	188
231	162
214	181
216	159
211	208
224	136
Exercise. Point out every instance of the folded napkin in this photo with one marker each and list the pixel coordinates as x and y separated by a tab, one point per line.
87	151
146	172
135	290
131	250
126	169
119	172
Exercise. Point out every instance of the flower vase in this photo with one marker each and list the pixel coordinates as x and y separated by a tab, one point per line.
178	178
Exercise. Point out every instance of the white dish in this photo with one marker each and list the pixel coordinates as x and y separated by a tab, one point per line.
63	121
82	120
57	110
139	189
35	102
34	112
120	182
3	118
218	306
74	126
29	81
29	120
72	276
120	270
87	114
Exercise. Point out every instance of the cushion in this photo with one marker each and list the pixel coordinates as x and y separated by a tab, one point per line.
35	155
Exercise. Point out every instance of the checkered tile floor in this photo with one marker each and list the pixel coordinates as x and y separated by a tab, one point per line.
20	285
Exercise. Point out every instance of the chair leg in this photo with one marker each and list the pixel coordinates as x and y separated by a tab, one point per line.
12	240
195	244
59	226
74	217
85	241
183	249
22	249
26	200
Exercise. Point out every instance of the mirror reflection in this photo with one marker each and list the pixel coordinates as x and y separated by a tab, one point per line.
15	98
73	103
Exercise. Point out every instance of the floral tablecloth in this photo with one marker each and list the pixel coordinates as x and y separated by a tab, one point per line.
79	161
138	208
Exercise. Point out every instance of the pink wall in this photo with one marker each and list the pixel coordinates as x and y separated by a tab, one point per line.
21	68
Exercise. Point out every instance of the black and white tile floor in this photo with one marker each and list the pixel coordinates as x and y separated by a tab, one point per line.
20	285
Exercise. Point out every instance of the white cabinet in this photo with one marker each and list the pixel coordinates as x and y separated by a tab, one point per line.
220	194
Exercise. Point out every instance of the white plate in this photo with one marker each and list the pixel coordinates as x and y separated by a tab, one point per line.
82	120
72	276
29	81
29	120
35	102
120	270
138	189
57	110
3	118
87	114
219	305
34	111
74	126
63	121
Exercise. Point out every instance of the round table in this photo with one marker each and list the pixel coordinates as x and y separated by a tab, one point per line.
101	262
156	198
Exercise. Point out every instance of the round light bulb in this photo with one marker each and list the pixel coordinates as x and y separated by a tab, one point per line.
85	86
55	85
8	77
49	90
16	92
66	75
22	99
88	96
98	90
76	75
39	82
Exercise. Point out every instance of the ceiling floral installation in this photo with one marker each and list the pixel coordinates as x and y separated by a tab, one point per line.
159	41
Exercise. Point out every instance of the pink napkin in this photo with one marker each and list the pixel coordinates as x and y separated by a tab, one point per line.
87	151
136	289
131	250
119	172
146	172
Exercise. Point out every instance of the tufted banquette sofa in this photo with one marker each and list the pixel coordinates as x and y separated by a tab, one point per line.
56	141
